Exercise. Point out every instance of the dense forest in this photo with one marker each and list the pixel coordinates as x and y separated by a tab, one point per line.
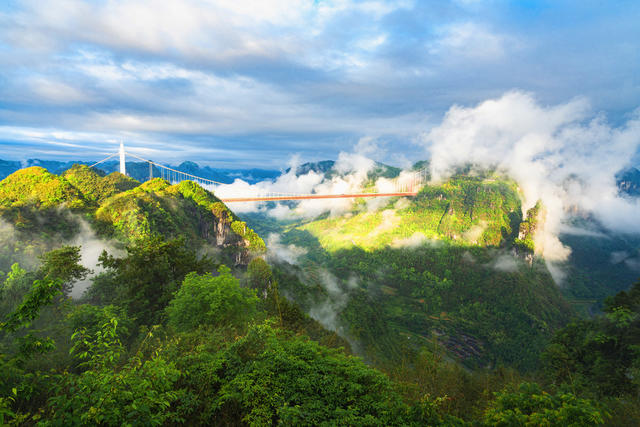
443	316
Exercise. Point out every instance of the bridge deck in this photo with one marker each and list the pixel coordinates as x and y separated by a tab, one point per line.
315	196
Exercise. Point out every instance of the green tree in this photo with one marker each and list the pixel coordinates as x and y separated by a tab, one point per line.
149	275
139	393
260	276
64	264
530	406
215	301
88	321
600	355
268	377
16	385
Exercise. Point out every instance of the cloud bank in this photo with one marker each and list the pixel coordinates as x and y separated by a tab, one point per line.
565	155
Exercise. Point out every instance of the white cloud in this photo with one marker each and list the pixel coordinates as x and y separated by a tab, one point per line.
577	231
505	263
57	92
389	221
350	175
281	252
91	247
561	154
468	40
415	240
474	233
196	29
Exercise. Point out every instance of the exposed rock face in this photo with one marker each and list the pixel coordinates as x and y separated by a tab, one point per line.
222	231
218	232
524	244
225	237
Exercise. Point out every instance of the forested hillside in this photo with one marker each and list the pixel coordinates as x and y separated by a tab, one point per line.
447	266
428	311
43	209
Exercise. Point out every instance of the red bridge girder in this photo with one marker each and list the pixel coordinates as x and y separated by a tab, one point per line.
315	196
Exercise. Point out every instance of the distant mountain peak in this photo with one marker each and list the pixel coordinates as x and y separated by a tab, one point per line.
628	181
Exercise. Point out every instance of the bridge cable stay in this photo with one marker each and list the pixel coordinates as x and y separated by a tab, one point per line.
173	175
104	160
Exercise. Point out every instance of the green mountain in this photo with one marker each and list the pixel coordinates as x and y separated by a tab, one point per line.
45	209
448	266
36	186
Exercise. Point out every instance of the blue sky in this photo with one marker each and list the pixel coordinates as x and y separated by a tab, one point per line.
251	83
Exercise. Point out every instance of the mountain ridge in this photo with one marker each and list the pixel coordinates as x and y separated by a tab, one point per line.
45	208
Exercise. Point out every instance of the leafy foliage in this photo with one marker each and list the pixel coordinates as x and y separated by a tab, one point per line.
42	293
530	406
213	301
139	393
601	355
36	186
148	276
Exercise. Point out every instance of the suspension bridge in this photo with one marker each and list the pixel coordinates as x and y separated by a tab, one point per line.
404	185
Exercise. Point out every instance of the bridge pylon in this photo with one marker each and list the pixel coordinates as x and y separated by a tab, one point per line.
123	163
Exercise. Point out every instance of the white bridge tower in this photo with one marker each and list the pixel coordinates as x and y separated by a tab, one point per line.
123	165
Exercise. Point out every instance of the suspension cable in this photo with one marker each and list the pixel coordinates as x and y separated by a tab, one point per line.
174	170
104	160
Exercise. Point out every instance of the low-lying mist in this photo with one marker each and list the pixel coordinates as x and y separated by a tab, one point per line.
28	255
91	246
